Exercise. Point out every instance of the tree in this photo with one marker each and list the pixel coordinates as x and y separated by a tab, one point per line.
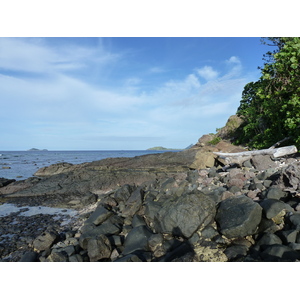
270	106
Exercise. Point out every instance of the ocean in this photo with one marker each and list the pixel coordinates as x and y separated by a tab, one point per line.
21	165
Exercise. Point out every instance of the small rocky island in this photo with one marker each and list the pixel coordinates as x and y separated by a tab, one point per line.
35	149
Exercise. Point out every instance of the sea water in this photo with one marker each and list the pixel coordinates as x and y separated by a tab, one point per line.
20	165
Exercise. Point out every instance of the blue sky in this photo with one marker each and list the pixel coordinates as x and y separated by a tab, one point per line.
120	93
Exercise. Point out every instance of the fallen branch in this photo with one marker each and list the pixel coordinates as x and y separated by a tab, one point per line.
280	142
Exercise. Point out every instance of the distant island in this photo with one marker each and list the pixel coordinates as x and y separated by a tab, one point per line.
35	149
160	148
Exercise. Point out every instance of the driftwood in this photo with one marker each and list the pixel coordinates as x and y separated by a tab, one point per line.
240	157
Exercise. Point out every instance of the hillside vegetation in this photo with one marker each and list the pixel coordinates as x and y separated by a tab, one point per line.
270	107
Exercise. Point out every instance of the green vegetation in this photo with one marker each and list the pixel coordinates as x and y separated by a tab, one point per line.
270	107
215	140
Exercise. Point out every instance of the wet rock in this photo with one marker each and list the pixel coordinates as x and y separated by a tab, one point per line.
238	216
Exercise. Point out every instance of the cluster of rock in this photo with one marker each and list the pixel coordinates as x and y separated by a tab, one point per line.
184	206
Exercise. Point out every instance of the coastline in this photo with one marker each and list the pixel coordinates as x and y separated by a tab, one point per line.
180	206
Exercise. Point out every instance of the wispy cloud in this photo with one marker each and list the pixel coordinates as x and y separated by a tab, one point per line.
208	73
65	109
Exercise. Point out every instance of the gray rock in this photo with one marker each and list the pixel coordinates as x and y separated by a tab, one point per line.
138	221
57	257
45	241
247	164
99	215
263	162
288	236
76	258
238	217
294	246
280	253
106	228
129	258
99	248
183	216
209	232
268	239
236	251
124	192
133	204
137	239
295	220
273	207
29	256
276	193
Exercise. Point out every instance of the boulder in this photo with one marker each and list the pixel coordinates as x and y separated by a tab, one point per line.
279	253
181	216
268	239
99	215
273	207
45	241
99	248
263	162
137	239
238	216
133	204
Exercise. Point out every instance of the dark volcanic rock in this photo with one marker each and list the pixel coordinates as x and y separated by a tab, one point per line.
99	215
272	207
137	239
99	248
182	216
280	253
238	217
5	182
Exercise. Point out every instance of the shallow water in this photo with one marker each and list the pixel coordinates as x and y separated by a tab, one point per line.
27	211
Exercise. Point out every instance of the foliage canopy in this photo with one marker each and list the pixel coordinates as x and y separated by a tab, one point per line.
270	107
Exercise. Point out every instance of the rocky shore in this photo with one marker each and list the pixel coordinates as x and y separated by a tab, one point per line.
180	207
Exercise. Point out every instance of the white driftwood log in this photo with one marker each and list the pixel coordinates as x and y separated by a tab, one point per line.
277	152
240	157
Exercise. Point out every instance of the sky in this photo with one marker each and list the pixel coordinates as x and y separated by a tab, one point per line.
120	93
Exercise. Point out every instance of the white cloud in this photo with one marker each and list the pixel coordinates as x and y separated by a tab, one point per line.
58	107
233	60
208	73
34	55
156	70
